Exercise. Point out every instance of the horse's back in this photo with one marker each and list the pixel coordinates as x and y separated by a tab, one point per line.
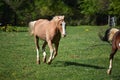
112	32
41	22
40	28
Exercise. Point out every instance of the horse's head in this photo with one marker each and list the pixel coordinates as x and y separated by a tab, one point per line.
61	24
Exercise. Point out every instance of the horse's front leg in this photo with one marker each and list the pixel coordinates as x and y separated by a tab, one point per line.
55	50
111	60
51	52
43	50
37	49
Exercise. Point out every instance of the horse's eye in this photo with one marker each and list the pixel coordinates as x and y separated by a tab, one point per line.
61	24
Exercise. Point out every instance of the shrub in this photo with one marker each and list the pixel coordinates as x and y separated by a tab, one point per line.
8	28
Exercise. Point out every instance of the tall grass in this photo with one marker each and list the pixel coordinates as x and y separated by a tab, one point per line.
81	56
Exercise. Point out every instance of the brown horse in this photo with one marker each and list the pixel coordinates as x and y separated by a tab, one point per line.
108	36
115	47
50	32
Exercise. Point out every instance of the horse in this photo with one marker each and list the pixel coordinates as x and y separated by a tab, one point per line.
50	31
115	47
109	33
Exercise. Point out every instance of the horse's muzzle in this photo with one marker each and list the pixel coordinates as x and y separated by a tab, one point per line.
63	35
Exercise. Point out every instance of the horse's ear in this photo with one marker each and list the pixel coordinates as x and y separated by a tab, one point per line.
63	17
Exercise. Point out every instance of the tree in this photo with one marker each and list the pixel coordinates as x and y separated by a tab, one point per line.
20	12
114	8
14	5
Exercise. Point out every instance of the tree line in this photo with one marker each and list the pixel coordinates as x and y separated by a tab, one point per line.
77	12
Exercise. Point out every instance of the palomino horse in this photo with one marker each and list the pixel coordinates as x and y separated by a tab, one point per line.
115	47
50	32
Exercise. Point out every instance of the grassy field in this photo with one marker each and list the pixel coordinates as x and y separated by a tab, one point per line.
82	56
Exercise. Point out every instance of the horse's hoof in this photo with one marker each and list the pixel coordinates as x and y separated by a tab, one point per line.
49	62
44	60
38	62
108	71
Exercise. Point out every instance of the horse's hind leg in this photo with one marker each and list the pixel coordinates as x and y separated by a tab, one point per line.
43	50
111	60
37	49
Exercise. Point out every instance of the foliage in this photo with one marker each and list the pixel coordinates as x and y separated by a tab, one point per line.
20	12
10	28
89	7
114	7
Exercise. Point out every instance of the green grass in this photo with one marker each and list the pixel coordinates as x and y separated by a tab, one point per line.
81	56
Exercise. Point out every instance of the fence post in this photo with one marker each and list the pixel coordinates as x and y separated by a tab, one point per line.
111	21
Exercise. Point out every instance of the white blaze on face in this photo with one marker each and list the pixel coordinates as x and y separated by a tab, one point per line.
63	28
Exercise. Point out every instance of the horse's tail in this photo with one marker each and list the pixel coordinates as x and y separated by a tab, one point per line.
31	27
105	37
108	36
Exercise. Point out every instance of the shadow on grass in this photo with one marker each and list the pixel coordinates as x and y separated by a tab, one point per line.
83	65
117	77
95	45
67	63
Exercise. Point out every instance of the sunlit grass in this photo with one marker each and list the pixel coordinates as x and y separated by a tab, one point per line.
81	56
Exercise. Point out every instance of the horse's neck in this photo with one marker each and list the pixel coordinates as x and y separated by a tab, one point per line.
56	26
55	23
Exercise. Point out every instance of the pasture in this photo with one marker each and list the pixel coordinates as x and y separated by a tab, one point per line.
81	56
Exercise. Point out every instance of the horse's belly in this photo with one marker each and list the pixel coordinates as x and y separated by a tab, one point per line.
41	34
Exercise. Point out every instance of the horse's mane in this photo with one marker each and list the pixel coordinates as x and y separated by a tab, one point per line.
57	18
